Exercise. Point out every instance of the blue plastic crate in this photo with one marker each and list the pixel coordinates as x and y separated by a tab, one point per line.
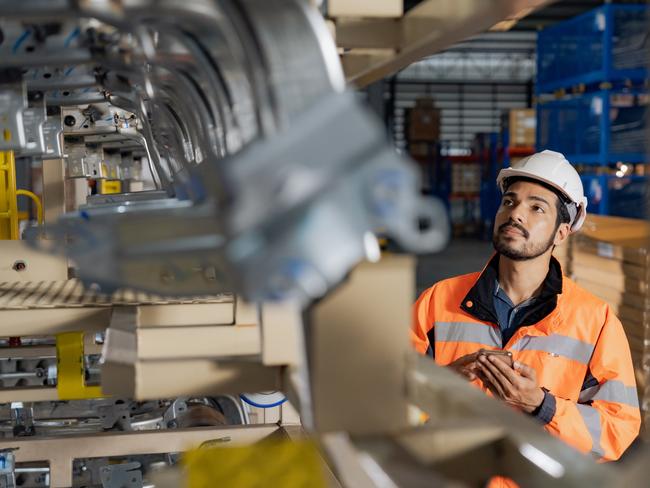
596	128
628	196
607	44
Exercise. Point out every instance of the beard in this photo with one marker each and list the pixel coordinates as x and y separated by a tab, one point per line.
527	251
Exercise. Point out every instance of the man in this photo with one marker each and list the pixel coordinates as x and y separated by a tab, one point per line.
572	367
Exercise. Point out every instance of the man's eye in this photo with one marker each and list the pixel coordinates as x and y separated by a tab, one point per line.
538	209
507	203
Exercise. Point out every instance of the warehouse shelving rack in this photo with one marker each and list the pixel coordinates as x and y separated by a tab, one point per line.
597	128
609	44
593	99
488	148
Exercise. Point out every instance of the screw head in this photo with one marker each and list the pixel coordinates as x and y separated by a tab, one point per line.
19	266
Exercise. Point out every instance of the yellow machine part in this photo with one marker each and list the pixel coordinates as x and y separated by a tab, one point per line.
71	381
285	463
110	186
37	203
9	214
8	203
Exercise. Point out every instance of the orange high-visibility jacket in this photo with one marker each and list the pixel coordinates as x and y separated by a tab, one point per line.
574	342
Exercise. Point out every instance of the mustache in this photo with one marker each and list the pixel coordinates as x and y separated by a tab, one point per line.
514	225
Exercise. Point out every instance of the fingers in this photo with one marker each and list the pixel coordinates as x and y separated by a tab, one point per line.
505	370
487	383
492	377
525	371
469	371
467	359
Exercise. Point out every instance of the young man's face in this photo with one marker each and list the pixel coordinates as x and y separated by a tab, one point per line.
525	224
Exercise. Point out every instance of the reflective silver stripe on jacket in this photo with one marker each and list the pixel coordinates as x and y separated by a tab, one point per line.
474	332
591	418
565	346
617	391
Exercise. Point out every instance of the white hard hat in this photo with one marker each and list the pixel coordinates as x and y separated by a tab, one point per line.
552	168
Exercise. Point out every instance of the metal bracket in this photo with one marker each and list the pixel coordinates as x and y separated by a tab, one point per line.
177	408
115	414
52	130
22	416
97	118
33	121
126	475
85	162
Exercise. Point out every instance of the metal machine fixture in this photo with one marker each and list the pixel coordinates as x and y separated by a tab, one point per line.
271	183
267	162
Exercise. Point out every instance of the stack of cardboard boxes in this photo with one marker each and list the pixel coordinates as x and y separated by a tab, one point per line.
465	179
522	126
424	121
610	258
423	134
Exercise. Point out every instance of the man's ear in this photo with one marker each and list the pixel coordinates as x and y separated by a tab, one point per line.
562	234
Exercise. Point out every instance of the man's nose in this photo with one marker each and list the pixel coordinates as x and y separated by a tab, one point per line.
517	214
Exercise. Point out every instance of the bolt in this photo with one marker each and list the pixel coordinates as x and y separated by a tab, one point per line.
69	120
19	266
172	424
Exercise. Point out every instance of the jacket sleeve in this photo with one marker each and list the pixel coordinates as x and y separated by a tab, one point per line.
606	418
422	323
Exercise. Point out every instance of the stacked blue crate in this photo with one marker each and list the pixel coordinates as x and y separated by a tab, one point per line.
624	196
605	52
607	44
598	128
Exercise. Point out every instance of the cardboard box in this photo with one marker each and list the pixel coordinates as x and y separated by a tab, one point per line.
615	230
633	314
343	357
522	127
424	121
365	8
584	262
633	251
465	178
617	282
420	149
615	298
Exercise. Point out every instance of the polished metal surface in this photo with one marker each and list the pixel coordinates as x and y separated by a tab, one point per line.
278	180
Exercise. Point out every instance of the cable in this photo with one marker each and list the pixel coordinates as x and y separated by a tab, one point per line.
20	40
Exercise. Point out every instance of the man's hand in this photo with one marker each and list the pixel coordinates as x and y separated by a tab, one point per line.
466	366
517	387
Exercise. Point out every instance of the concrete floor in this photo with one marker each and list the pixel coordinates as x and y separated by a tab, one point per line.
461	256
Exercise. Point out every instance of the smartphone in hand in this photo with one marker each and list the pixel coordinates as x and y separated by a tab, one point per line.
505	356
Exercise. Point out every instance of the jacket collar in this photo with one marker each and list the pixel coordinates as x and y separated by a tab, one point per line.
479	301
